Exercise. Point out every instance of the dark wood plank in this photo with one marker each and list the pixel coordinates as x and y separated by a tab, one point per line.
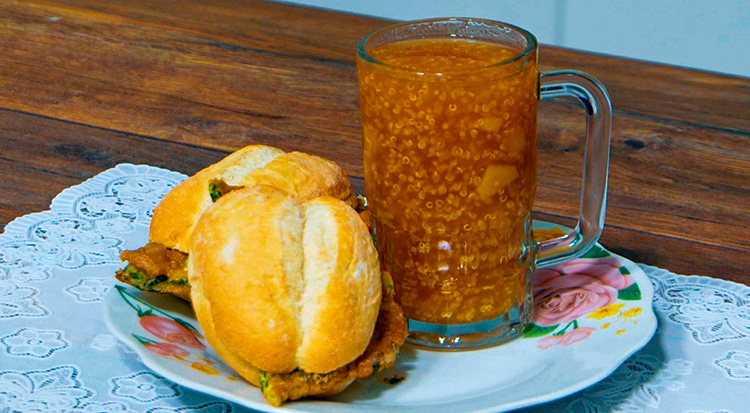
268	27
179	84
676	187
675	180
172	84
44	156
153	68
25	189
39	157
661	91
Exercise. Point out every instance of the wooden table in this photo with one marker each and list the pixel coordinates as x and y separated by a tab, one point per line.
86	84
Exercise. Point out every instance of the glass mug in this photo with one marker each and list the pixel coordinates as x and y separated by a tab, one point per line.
449	117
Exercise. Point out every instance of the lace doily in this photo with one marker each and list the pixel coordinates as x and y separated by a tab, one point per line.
56	355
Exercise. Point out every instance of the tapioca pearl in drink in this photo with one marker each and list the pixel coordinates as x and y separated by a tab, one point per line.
450	151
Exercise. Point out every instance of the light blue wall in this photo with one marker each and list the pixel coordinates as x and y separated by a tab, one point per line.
703	34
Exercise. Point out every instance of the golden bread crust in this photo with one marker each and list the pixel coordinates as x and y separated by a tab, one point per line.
343	290
283	284
307	176
304	175
177	214
246	251
202	309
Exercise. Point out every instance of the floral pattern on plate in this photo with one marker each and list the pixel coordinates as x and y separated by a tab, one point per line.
578	298
171	337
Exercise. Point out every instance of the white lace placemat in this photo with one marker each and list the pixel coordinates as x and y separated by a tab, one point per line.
56	355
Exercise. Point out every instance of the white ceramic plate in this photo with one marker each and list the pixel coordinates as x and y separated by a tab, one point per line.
550	363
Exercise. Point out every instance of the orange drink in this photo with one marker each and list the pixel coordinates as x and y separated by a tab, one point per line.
451	175
449	132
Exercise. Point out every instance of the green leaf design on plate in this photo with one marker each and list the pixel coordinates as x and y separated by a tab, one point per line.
632	293
596	252
143	340
532	330
624	270
133	302
187	326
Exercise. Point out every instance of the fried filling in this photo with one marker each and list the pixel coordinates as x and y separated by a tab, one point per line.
390	333
156	268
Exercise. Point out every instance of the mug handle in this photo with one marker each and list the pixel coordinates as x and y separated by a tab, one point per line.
595	100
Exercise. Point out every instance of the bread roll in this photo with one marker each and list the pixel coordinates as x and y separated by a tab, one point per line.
179	210
280	283
307	176
304	175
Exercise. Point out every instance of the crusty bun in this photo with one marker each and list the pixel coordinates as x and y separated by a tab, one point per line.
177	213
306	176
280	283
310	177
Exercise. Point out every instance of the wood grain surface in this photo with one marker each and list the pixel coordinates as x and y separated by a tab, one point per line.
86	85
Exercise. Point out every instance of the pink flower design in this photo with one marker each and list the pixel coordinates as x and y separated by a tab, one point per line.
565	292
606	270
548	342
166	349
171	331
577	335
168	328
571	337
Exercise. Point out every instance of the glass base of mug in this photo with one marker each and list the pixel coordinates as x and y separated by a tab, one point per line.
473	335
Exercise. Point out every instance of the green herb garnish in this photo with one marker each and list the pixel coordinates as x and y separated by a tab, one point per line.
214	192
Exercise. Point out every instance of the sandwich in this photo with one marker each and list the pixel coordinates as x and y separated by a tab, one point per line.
161	265
288	292
280	269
